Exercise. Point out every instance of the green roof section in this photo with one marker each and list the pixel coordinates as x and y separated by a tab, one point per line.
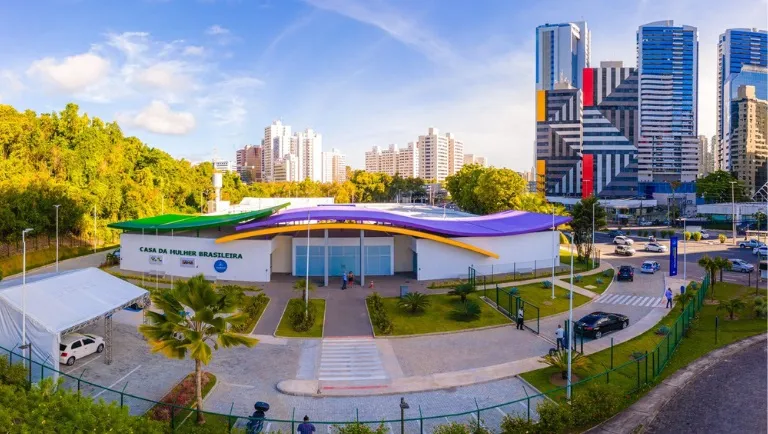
184	222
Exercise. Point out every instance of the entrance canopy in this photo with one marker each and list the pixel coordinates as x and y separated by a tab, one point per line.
61	304
182	222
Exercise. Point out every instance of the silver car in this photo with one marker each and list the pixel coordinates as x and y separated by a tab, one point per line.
741	266
655	247
622	240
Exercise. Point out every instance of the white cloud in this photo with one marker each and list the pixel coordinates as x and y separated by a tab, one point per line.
216	29
167	76
194	50
159	118
73	73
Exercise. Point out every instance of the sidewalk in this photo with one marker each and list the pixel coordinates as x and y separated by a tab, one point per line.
468	377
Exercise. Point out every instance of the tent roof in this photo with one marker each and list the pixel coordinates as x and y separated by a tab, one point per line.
178	222
62	302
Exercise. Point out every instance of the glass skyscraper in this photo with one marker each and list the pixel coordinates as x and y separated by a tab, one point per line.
562	52
742	59
667	66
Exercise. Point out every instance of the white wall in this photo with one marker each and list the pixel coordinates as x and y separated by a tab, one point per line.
253	267
368	241
441	261
403	254
281	254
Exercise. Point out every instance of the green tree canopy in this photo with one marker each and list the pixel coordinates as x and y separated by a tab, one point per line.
716	187
583	222
485	190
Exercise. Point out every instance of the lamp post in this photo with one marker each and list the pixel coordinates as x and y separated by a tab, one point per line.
24	290
554	255
403	406
571	332
593	234
685	249
733	213
57	237
95	239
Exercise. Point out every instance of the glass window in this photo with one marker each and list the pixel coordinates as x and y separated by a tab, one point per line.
76	344
378	260
88	341
316	260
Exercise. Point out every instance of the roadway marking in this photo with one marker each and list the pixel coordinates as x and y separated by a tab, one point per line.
630	300
82	366
349	360
113	384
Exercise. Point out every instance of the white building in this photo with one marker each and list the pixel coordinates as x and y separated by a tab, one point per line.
224	166
562	53
474	159
433	156
334	166
408	161
393	160
287	169
308	147
455	154
276	144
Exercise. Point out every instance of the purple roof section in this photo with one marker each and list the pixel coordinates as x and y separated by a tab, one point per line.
493	225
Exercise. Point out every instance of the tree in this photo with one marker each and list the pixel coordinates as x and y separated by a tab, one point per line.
462	185
582	224
537	202
559	359
463	290
413	302
732	306
708	264
684	298
721	264
716	187
496	189
194	314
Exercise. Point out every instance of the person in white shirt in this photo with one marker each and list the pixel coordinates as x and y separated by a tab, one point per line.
520	319
560	334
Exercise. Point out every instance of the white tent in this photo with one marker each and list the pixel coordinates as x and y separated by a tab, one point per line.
59	304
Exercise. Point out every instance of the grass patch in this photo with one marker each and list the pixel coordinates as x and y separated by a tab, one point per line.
438	316
539	296
254	306
591	280
284	329
700	341
579	266
13	264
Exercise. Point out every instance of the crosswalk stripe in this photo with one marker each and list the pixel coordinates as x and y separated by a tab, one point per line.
608	298
350	360
620	300
637	301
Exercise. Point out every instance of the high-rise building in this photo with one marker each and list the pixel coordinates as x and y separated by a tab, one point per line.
455	154
224	166
276	145
706	157
609	145
749	131
250	163
308	147
667	64
433	156
286	169
382	161
408	161
474	159
334	166
562	52
742	59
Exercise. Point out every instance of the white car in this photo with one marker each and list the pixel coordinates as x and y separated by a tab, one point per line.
704	235
760	251
741	266
76	346
621	239
650	267
655	247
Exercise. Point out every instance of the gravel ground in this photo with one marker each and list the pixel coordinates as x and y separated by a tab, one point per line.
728	398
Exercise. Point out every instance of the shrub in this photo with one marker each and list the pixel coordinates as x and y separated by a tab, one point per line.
252	307
637	355
578	278
594	404
463	291
559	360
359	428
301	285
694	286
459	428
722	238
607	273
547	284
182	395
302	319
553	418
517	424
467	311
760	307
599	281
379	316
12	374
662	331
687	235
696	236
414	302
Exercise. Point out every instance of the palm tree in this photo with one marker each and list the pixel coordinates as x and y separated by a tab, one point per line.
708	264
413	302
194	313
463	290
721	264
559	359
732	306
684	298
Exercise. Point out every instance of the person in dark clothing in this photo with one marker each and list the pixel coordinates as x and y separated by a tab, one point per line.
306	427
520	317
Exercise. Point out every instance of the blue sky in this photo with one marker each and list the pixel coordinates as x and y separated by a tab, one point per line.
191	76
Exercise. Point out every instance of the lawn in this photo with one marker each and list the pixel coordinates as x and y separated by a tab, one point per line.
284	329
437	317
591	280
699	342
578	266
13	264
541	297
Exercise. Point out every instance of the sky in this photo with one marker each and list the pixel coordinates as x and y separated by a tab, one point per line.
200	78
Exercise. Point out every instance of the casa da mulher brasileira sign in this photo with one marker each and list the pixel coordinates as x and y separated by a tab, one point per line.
198	253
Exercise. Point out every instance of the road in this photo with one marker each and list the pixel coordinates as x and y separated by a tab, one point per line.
728	398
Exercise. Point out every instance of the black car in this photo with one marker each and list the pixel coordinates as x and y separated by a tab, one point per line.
596	324
626	272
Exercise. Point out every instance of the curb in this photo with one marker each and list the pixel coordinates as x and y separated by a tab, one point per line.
260	316
643	412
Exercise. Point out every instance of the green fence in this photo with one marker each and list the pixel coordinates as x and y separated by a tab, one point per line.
506	301
629	376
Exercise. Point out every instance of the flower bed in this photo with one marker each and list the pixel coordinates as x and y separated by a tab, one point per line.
182	395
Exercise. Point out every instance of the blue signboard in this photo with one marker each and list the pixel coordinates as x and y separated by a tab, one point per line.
673	256
220	266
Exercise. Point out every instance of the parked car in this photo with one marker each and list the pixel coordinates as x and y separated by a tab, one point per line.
596	324
626	272
621	239
741	266
76	346
704	235
650	267
761	251
751	244
646	223
624	250
655	247
615	233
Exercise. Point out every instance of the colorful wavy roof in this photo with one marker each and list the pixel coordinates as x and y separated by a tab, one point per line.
499	224
180	222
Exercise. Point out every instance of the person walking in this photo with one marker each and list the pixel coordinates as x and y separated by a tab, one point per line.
306	427
559	335
520	319
343	280
668	294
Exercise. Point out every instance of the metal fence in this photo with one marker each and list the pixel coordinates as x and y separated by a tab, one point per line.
629	376
506	301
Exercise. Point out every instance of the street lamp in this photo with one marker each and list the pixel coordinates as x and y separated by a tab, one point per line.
733	213
593	233
24	290
57	237
403	406
571	331
685	249
554	255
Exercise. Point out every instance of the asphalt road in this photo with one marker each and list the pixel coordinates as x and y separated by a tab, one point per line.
728	398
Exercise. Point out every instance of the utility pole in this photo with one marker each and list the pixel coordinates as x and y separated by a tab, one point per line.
733	212
95	240
57	237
